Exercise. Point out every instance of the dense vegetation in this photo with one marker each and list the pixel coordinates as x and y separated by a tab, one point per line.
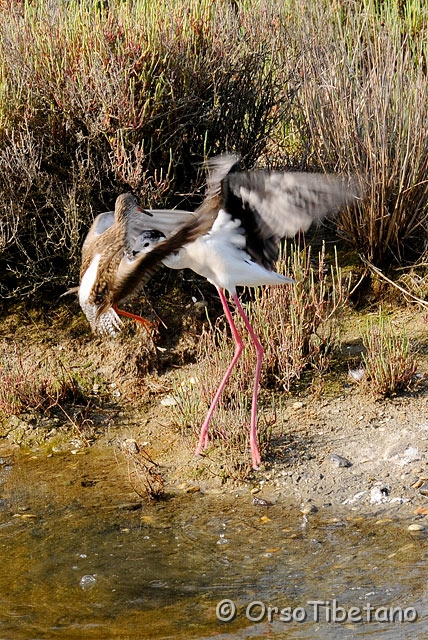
101	97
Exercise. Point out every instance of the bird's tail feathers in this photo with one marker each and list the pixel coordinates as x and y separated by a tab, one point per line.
69	291
108	323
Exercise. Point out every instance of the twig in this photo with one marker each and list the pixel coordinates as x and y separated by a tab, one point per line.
378	271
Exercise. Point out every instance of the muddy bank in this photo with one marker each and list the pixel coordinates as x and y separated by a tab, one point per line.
337	450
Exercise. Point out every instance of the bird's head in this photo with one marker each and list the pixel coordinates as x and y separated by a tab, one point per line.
126	204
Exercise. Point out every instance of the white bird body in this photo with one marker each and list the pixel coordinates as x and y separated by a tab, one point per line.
221	258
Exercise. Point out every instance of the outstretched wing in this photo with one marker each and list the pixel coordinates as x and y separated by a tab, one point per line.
137	272
274	205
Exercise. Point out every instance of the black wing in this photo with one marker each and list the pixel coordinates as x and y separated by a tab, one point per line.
274	205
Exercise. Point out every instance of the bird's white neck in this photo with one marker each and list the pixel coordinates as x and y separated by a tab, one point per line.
176	260
88	280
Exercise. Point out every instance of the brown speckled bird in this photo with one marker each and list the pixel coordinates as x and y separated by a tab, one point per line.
112	269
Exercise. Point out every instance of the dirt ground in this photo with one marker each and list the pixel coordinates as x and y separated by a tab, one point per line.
335	448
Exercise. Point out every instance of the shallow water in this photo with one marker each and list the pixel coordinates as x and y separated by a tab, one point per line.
82	558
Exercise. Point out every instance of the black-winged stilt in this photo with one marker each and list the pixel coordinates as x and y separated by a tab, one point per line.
251	211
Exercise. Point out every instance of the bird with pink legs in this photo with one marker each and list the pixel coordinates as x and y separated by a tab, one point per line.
252	212
232	240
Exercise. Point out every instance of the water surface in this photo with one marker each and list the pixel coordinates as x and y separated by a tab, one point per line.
83	557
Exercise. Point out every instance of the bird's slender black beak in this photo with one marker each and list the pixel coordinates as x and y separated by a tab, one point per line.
146	212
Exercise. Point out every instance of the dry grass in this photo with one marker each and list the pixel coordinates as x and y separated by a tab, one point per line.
47	386
28	385
299	325
144	474
363	109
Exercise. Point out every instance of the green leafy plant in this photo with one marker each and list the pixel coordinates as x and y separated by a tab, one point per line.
388	359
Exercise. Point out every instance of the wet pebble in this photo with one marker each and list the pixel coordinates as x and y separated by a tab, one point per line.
193	489
308	508
261	502
416	527
423	489
158	584
87	582
222	539
339	461
418	483
77	444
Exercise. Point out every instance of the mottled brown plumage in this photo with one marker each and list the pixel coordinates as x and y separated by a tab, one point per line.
111	271
111	246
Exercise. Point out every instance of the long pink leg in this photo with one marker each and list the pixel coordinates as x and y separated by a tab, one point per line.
238	350
255	453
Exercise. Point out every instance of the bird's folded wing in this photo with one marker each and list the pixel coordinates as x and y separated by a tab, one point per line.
164	220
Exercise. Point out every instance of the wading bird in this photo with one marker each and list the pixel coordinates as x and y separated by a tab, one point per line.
112	269
250	212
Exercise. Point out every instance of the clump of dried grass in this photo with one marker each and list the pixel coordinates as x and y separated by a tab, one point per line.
362	108
143	472
36	385
32	386
300	324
